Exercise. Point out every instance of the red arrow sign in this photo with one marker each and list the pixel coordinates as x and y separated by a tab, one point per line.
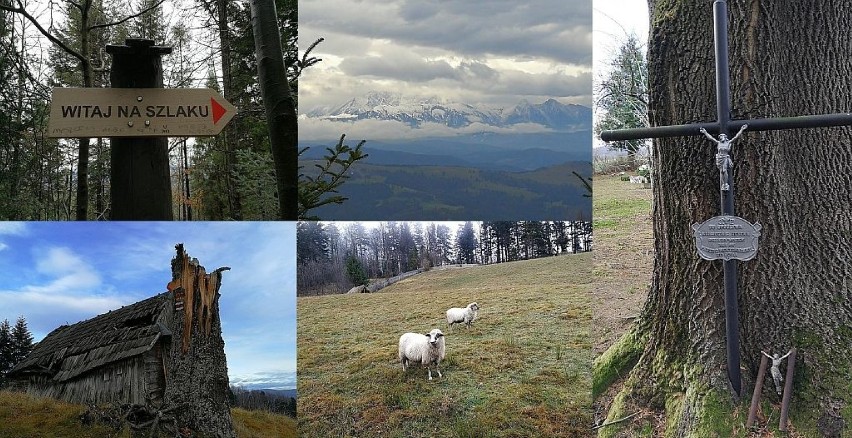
218	110
138	112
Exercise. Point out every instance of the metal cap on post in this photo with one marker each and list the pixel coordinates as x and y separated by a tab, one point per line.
140	181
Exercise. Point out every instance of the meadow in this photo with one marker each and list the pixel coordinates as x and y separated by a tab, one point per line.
24	416
523	369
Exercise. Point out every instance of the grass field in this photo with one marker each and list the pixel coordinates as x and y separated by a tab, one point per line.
24	416
624	256
523	370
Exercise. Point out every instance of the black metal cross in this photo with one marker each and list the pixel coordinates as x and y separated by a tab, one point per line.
724	125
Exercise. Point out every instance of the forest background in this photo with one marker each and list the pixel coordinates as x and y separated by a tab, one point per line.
229	177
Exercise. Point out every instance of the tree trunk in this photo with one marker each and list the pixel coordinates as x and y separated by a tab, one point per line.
796	183
234	201
196	372
82	210
280	108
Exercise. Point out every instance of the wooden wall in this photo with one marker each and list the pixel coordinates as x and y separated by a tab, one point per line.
136	380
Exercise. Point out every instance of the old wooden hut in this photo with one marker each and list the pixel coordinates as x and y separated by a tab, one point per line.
120	356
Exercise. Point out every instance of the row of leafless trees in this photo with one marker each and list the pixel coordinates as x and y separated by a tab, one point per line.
330	257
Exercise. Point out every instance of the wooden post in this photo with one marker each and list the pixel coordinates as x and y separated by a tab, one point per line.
788	391
140	179
758	386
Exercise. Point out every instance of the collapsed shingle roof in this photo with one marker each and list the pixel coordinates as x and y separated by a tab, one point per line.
72	350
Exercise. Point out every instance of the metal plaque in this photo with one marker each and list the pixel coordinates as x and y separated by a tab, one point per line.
137	112
727	238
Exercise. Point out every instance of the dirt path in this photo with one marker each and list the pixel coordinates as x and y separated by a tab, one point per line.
623	256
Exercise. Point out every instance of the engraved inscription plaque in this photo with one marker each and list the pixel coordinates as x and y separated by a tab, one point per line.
726	237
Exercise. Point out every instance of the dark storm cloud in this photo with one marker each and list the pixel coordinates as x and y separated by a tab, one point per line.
559	30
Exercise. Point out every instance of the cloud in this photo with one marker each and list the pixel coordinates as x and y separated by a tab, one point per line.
320	129
13	228
63	289
476	51
470	28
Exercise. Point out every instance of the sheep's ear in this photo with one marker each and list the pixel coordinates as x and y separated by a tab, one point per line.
426	334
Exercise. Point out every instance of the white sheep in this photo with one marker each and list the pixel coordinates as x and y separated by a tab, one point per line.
426	348
458	315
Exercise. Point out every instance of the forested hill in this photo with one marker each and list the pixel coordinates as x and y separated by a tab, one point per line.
379	192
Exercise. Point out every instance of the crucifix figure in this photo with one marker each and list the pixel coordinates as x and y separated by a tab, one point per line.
723	154
724	126
775	370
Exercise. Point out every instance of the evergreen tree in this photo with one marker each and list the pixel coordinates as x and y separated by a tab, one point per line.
466	242
7	350
312	242
622	96
355	271
22	340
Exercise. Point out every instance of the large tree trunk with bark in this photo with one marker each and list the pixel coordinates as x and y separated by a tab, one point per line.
196	370
785	61
280	108
234	200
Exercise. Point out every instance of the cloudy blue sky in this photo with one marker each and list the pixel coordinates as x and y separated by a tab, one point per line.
56	273
495	52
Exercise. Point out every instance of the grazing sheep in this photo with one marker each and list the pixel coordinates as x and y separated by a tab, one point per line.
457	315
426	348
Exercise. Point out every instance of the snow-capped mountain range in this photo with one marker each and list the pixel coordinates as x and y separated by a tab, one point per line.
416	111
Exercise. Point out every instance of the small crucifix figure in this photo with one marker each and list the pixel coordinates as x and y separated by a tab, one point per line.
723	154
776	372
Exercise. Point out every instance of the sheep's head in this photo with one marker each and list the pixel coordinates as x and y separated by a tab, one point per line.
473	306
434	336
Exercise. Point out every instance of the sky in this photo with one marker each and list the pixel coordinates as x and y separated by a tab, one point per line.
612	21
494	52
56	273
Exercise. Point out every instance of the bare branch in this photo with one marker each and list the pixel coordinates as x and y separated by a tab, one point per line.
142	12
20	10
75	4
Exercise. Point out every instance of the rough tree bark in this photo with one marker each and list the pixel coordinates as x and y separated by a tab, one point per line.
82	210
796	183
234	200
196	370
279	105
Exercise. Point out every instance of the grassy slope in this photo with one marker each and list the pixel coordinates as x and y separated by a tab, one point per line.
623	256
522	370
23	416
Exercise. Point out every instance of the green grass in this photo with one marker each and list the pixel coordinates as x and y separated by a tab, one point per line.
25	416
617	204
523	369
261	424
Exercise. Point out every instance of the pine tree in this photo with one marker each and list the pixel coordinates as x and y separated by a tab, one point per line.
622	96
466	242
22	340
6	350
355	271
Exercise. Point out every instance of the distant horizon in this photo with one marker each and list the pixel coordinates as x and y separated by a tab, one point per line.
423	98
320	124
